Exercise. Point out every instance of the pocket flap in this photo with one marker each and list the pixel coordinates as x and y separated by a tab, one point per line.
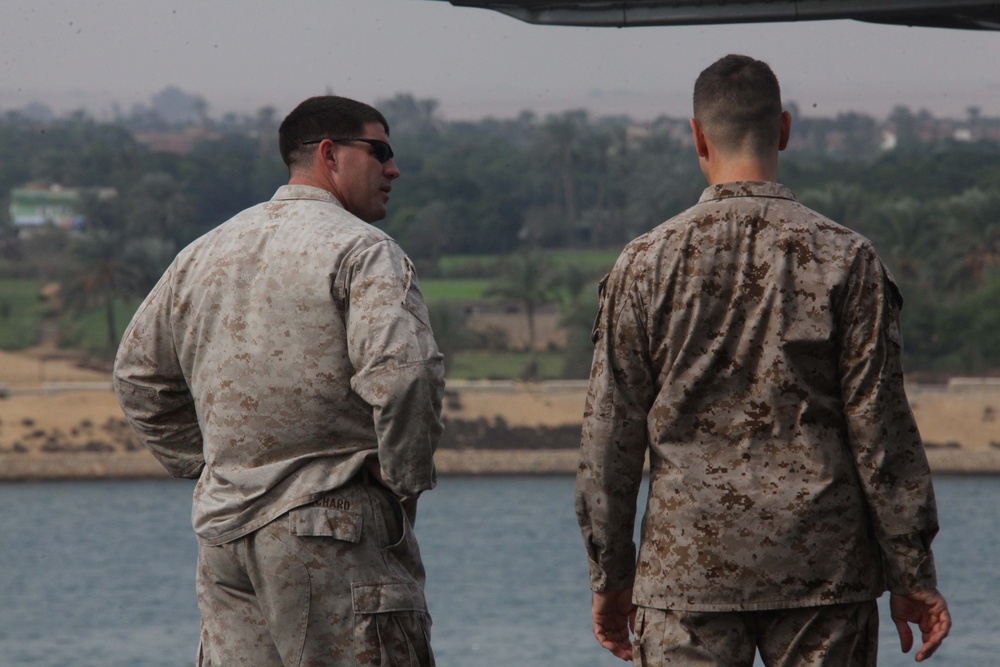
383	597
325	522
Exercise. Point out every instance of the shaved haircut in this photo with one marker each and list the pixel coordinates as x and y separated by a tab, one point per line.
323	117
737	101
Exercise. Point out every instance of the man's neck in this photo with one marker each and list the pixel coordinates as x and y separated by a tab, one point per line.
730	171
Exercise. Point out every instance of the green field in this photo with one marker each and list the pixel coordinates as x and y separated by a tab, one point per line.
90	332
20	312
469	289
479	365
455	267
469	277
596	260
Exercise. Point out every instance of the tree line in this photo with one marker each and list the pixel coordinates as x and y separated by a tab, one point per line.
523	186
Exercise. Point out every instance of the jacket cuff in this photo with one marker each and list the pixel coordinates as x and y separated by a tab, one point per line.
909	564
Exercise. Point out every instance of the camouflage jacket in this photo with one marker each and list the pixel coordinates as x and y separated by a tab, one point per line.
753	348
276	353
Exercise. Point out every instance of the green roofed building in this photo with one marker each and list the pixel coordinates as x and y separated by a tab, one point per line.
35	205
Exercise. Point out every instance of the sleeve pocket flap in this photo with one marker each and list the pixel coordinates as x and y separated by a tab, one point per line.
376	598
325	522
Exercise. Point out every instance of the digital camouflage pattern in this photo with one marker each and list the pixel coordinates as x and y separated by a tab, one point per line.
336	583
845	635
753	347
277	353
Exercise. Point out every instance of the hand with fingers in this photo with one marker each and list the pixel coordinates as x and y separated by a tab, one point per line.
928	610
614	620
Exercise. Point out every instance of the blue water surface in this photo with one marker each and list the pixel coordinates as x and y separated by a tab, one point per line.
101	574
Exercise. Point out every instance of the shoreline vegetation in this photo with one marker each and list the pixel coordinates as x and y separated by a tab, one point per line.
61	421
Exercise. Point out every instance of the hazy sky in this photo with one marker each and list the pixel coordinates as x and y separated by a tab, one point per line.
241	55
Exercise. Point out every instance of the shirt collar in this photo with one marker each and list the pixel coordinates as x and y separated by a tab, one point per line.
305	192
746	189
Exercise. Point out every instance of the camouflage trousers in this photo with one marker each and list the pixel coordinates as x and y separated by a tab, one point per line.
338	583
844	635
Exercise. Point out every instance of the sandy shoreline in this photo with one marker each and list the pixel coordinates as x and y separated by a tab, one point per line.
59	421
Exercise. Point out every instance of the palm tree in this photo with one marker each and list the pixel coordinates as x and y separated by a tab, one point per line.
905	235
608	159
578	302
450	332
844	203
561	147
96	278
972	227
158	206
527	278
106	265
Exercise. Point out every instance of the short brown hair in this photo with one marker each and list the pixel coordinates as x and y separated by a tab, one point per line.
737	100
321	117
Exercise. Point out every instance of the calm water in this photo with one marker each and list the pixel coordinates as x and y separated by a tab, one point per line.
101	574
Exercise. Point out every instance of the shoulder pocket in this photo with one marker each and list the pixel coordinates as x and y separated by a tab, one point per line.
413	299
895	304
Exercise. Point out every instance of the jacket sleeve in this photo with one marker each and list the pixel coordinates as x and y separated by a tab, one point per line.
151	388
886	444
614	438
398	368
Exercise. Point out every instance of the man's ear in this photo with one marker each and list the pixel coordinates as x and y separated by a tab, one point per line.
698	133
326	153
786	130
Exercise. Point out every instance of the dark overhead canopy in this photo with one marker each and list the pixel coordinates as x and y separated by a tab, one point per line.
622	13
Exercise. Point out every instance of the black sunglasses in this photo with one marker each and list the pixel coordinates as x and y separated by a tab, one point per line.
383	151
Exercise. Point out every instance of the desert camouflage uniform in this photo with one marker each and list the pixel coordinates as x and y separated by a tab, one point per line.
276	354
348	590
753	347
840	635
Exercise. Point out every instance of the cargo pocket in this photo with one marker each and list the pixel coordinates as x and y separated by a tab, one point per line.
319	521
391	625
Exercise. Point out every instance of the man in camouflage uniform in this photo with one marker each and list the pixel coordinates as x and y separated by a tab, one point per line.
285	361
753	348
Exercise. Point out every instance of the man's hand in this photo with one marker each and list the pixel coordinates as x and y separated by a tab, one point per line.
375	469
614	618
929	611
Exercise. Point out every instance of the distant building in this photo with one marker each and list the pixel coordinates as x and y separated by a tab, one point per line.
34	205
889	140
178	141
